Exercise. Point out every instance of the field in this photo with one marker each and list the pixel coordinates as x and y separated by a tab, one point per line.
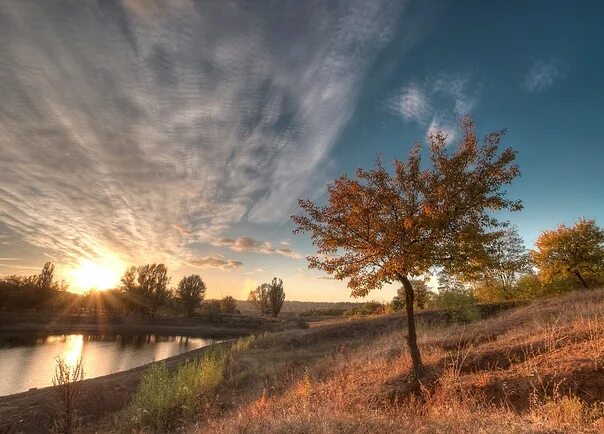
535	368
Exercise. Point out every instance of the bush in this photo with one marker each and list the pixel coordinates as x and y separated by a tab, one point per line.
322	312
228	305
163	399
458	306
369	308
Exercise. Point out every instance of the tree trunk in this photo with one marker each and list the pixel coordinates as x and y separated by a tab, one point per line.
580	277
418	367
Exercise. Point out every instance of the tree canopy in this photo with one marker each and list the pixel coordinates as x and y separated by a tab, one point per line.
387	226
190	292
276	296
576	251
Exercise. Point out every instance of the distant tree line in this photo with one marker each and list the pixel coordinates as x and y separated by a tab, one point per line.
143	290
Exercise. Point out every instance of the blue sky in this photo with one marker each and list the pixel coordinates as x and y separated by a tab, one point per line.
184	132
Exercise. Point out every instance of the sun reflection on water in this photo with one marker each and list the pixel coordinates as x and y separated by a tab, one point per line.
73	352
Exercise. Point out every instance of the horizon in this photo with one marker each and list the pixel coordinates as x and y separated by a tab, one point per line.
183	133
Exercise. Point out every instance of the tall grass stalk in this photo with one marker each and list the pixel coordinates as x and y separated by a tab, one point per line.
67	380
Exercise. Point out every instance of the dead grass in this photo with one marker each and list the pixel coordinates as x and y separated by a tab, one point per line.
537	368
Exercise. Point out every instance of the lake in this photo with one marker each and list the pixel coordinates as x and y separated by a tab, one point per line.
29	362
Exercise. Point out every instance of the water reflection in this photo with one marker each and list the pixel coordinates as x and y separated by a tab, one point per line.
28	361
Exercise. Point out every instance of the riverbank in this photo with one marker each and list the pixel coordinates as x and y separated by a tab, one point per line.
34	411
219	326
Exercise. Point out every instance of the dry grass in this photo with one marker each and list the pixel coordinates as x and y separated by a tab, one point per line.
538	368
67	380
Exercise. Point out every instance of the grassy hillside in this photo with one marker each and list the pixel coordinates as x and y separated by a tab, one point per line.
537	368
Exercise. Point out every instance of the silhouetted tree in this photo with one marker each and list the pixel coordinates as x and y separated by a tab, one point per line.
392	226
45	278
147	287
228	304
259	299
190	292
276	296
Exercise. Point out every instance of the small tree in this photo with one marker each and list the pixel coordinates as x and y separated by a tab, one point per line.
259	299
276	296
508	259
392	226
190	292
46	276
422	294
228	304
576	252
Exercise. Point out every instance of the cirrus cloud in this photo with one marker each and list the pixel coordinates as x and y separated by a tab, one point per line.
146	128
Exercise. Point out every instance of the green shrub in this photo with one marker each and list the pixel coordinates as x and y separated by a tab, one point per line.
369	308
164	399
458	306
322	312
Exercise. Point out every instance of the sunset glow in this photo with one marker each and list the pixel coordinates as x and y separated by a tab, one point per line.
96	275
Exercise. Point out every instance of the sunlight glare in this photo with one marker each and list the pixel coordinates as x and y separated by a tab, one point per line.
75	345
99	275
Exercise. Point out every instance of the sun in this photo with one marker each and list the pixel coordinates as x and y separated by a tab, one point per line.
98	275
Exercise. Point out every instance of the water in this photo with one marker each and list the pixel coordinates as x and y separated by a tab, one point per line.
29	362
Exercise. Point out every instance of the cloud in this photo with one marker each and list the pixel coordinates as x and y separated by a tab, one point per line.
413	104
541	76
215	262
448	129
146	129
437	103
250	245
288	252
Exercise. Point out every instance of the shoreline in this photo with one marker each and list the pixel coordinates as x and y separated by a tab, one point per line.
218	326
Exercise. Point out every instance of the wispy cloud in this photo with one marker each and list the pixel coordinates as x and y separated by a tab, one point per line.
413	103
437	103
449	129
145	128
541	76
215	262
251	245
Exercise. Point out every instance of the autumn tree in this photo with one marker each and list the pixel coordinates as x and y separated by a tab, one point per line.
576	252
190	292
276	296
147	287
392	226
259	298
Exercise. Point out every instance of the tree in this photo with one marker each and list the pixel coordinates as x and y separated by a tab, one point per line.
259	299
46	276
507	260
383	227
190	292
276	296
228	305
422	294
147	286
576	251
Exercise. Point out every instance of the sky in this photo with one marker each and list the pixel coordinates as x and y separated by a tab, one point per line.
184	132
